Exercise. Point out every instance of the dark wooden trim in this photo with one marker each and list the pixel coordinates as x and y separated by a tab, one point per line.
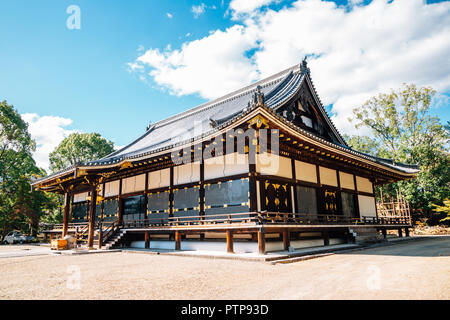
93	205
177	240
202	189
147	240
230	241
120	209
66	214
294	186
318	175
261	242
146	196
286	239
171	193
326	238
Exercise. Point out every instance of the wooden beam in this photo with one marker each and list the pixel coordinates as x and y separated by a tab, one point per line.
230	241
120	209
146	197
261	242
147	240
286	239
93	205
66	214
326	238
177	240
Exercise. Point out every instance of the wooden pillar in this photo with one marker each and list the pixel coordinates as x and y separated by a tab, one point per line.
147	240
230	242
406	232
171	201
286	239
326	238
66	215
400	233
92	208
100	236
202	191
384	232
146	199
261	242
177	240
120	209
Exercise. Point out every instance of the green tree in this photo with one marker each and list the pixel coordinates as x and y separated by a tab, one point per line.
77	148
403	129
20	208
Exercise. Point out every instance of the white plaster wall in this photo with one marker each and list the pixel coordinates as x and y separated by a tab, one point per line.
328	176
159	179
273	165
346	180
367	206
236	164
305	171
239	247
364	184
186	173
133	184
112	188
214	167
80	197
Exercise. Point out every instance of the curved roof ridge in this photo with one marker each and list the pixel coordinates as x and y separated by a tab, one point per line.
228	97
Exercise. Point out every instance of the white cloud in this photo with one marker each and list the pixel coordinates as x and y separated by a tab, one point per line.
356	51
198	10
205	66
248	6
169	15
48	132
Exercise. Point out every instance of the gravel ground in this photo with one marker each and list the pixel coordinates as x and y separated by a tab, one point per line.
412	270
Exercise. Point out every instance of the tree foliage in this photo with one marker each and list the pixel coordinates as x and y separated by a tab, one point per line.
20	208
403	129
77	148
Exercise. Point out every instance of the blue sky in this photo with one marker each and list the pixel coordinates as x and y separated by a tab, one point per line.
138	61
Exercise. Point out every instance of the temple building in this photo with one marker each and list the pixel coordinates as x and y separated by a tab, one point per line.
260	169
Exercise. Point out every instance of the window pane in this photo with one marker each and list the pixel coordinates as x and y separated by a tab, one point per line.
110	210
306	200
79	212
158	207
228	197
186	202
133	208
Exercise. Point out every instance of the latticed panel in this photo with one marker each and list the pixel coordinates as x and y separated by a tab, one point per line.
277	197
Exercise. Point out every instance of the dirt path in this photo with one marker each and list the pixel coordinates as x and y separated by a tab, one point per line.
412	270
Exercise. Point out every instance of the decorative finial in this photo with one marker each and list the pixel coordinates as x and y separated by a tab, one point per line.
258	98
304	66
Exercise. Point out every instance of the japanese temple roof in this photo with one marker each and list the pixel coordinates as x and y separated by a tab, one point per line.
207	118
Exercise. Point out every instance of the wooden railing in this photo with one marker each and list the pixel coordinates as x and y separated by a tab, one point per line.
107	232
259	218
283	218
265	218
247	217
